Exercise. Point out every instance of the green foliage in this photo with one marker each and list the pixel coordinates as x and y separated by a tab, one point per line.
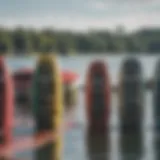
5	41
26	41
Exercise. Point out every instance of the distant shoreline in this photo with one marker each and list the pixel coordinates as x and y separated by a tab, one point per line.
21	40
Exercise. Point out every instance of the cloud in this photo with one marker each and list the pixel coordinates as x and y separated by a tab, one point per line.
82	23
80	14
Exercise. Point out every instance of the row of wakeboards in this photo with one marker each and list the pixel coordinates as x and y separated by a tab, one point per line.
47	108
47	102
131	91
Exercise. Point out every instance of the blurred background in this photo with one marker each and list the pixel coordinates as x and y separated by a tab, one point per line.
79	26
81	31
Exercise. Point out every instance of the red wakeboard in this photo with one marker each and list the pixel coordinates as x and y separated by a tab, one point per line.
97	96
6	103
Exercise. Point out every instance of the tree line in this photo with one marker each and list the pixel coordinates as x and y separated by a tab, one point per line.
26	41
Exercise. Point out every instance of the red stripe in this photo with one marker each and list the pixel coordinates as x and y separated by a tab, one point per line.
30	143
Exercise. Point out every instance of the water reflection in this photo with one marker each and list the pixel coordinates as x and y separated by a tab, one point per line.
51	151
131	146
98	145
157	147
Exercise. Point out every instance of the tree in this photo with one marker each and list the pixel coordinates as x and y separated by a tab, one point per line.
21	41
5	42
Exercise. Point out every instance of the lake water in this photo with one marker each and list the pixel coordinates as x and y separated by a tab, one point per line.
80	146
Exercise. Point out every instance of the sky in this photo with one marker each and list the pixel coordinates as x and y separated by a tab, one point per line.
80	15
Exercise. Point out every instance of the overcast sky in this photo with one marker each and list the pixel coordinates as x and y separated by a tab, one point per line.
80	14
